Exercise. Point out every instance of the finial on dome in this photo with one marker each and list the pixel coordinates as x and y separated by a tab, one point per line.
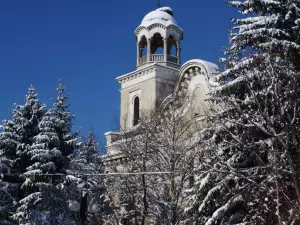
158	4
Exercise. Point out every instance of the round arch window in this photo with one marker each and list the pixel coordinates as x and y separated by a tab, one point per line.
136	111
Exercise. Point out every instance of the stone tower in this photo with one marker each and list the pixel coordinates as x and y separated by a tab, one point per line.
159	74
158	62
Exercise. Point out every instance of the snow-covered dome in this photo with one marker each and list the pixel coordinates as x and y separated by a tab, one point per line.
163	15
211	68
208	69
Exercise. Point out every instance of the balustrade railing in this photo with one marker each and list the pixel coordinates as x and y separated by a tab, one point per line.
172	59
142	60
157	58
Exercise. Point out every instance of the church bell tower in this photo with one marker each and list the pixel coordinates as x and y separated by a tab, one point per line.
158	40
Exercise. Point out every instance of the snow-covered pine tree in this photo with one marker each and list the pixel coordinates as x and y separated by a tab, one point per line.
17	134
86	162
44	201
214	198
250	172
9	142
68	143
89	150
266	27
255	176
67	139
27	118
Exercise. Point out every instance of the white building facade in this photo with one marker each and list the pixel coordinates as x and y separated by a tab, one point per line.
159	75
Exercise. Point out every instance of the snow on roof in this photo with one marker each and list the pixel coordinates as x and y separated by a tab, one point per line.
163	15
211	68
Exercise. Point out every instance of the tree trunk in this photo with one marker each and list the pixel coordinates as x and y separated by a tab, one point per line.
145	210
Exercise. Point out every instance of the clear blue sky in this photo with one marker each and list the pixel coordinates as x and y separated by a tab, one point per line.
90	43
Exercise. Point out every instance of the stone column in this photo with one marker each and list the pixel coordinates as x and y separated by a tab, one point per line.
148	49
138	53
165	50
178	51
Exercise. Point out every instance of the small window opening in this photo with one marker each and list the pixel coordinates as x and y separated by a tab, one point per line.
136	111
173	51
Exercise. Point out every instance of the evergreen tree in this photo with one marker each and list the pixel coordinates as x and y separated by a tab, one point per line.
45	146
89	151
36	144
250	159
8	193
27	119
67	139
266	27
9	142
15	138
86	162
44	202
17	134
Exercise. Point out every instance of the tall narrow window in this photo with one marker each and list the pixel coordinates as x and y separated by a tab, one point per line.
136	111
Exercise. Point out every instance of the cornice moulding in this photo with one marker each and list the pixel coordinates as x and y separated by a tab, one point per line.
141	72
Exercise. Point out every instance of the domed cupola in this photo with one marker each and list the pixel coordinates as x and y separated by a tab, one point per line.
158	39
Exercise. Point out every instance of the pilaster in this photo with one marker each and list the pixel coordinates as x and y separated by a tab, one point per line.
148	49
165	50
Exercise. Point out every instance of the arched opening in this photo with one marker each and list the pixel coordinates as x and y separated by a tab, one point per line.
136	111
157	44
142	47
172	47
173	51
